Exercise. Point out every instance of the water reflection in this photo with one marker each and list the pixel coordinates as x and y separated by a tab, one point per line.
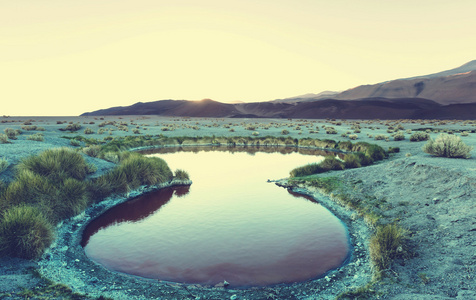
134	210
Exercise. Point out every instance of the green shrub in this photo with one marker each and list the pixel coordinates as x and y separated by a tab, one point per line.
330	162
388	243
36	137
419	136
393	150
56	163
88	131
65	201
373	151
284	132
133	171
24	232
352	161
75	143
181	175
92	150
346	146
364	160
71	127
399	136
353	136
448	146
306	170
28	187
111	157
380	137
4	139
3	164
11	133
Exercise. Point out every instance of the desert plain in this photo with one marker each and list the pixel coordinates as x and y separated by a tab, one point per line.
433	198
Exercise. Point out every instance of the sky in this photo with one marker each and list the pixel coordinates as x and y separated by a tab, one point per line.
65	57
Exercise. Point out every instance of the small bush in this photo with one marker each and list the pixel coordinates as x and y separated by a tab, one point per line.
24	232
88	131
58	163
353	136
11	133
71	127
306	170
92	150
448	146
111	157
399	136
4	139
181	175
380	137
331	130
36	137
393	149
330	162
388	243
75	143
3	164
419	136
133	171
352	161
284	132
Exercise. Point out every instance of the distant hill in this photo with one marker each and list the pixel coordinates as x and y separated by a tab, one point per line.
369	108
307	97
449	94
449	87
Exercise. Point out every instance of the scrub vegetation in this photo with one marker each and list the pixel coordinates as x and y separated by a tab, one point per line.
446	145
54	185
365	154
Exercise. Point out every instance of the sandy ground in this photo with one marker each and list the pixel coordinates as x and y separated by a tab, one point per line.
431	197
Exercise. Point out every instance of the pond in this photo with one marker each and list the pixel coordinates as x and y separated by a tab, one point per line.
229	225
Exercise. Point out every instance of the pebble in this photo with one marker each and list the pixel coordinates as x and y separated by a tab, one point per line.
234	297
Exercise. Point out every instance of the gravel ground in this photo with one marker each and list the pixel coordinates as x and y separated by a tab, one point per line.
433	198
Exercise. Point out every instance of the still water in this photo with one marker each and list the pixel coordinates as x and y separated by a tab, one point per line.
230	224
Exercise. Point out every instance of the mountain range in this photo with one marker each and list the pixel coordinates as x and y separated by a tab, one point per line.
449	94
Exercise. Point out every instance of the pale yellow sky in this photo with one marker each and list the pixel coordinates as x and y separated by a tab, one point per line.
65	57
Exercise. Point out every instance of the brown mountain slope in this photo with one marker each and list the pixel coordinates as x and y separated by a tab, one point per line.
459	88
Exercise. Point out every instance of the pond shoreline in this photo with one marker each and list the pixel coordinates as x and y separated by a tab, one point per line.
66	262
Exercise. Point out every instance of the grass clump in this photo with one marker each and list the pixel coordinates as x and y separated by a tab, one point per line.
388	243
24	232
71	127
446	145
133	171
181	175
3	164
56	163
419	136
4	139
38	137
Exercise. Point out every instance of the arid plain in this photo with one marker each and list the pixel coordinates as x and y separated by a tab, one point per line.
431	197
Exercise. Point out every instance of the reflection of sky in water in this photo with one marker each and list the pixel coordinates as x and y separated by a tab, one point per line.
232	226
